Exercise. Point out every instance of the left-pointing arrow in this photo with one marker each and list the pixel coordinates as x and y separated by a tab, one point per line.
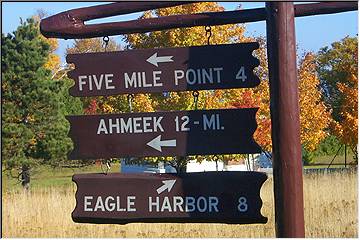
156	143
168	184
154	59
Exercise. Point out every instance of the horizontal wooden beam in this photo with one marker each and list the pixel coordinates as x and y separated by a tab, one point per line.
302	10
118	8
70	24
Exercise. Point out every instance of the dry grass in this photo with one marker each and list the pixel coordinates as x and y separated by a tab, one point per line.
330	211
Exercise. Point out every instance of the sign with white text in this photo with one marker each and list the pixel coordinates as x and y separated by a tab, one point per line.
178	133
221	197
164	70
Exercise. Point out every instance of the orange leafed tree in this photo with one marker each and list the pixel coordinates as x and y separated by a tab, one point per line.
314	116
347	130
249	99
338	70
182	37
257	97
53	60
215	99
313	110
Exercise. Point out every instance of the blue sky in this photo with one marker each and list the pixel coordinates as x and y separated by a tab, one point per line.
312	32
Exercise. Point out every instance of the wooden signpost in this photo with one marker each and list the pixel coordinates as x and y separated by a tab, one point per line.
164	69
219	197
178	133
212	197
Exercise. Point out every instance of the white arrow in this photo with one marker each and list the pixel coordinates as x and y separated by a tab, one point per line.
168	184
156	143
154	59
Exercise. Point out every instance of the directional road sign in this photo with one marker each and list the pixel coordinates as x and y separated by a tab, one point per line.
221	197
163	70
178	133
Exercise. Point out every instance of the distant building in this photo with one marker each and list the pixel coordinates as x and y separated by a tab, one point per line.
254	162
146	168
237	166
263	162
204	166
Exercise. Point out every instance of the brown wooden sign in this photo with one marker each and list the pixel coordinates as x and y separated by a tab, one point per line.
221	197
163	70
178	133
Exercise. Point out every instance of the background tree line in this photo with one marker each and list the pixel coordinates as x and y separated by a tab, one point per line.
35	95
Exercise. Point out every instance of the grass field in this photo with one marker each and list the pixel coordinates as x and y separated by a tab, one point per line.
44	176
339	159
330	200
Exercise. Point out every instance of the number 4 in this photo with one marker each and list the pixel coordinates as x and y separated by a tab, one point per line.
241	74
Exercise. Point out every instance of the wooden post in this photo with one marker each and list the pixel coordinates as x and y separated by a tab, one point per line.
345	155
285	120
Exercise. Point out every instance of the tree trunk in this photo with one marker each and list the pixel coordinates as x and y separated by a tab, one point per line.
354	150
25	177
180	164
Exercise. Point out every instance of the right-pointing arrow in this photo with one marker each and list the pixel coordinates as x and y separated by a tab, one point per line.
156	143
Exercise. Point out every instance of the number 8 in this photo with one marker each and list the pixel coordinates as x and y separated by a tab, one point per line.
242	207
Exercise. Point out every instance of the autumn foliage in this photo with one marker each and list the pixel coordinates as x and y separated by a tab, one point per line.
315	115
338	70
347	129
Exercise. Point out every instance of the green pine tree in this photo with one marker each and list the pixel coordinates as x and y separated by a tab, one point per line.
34	129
